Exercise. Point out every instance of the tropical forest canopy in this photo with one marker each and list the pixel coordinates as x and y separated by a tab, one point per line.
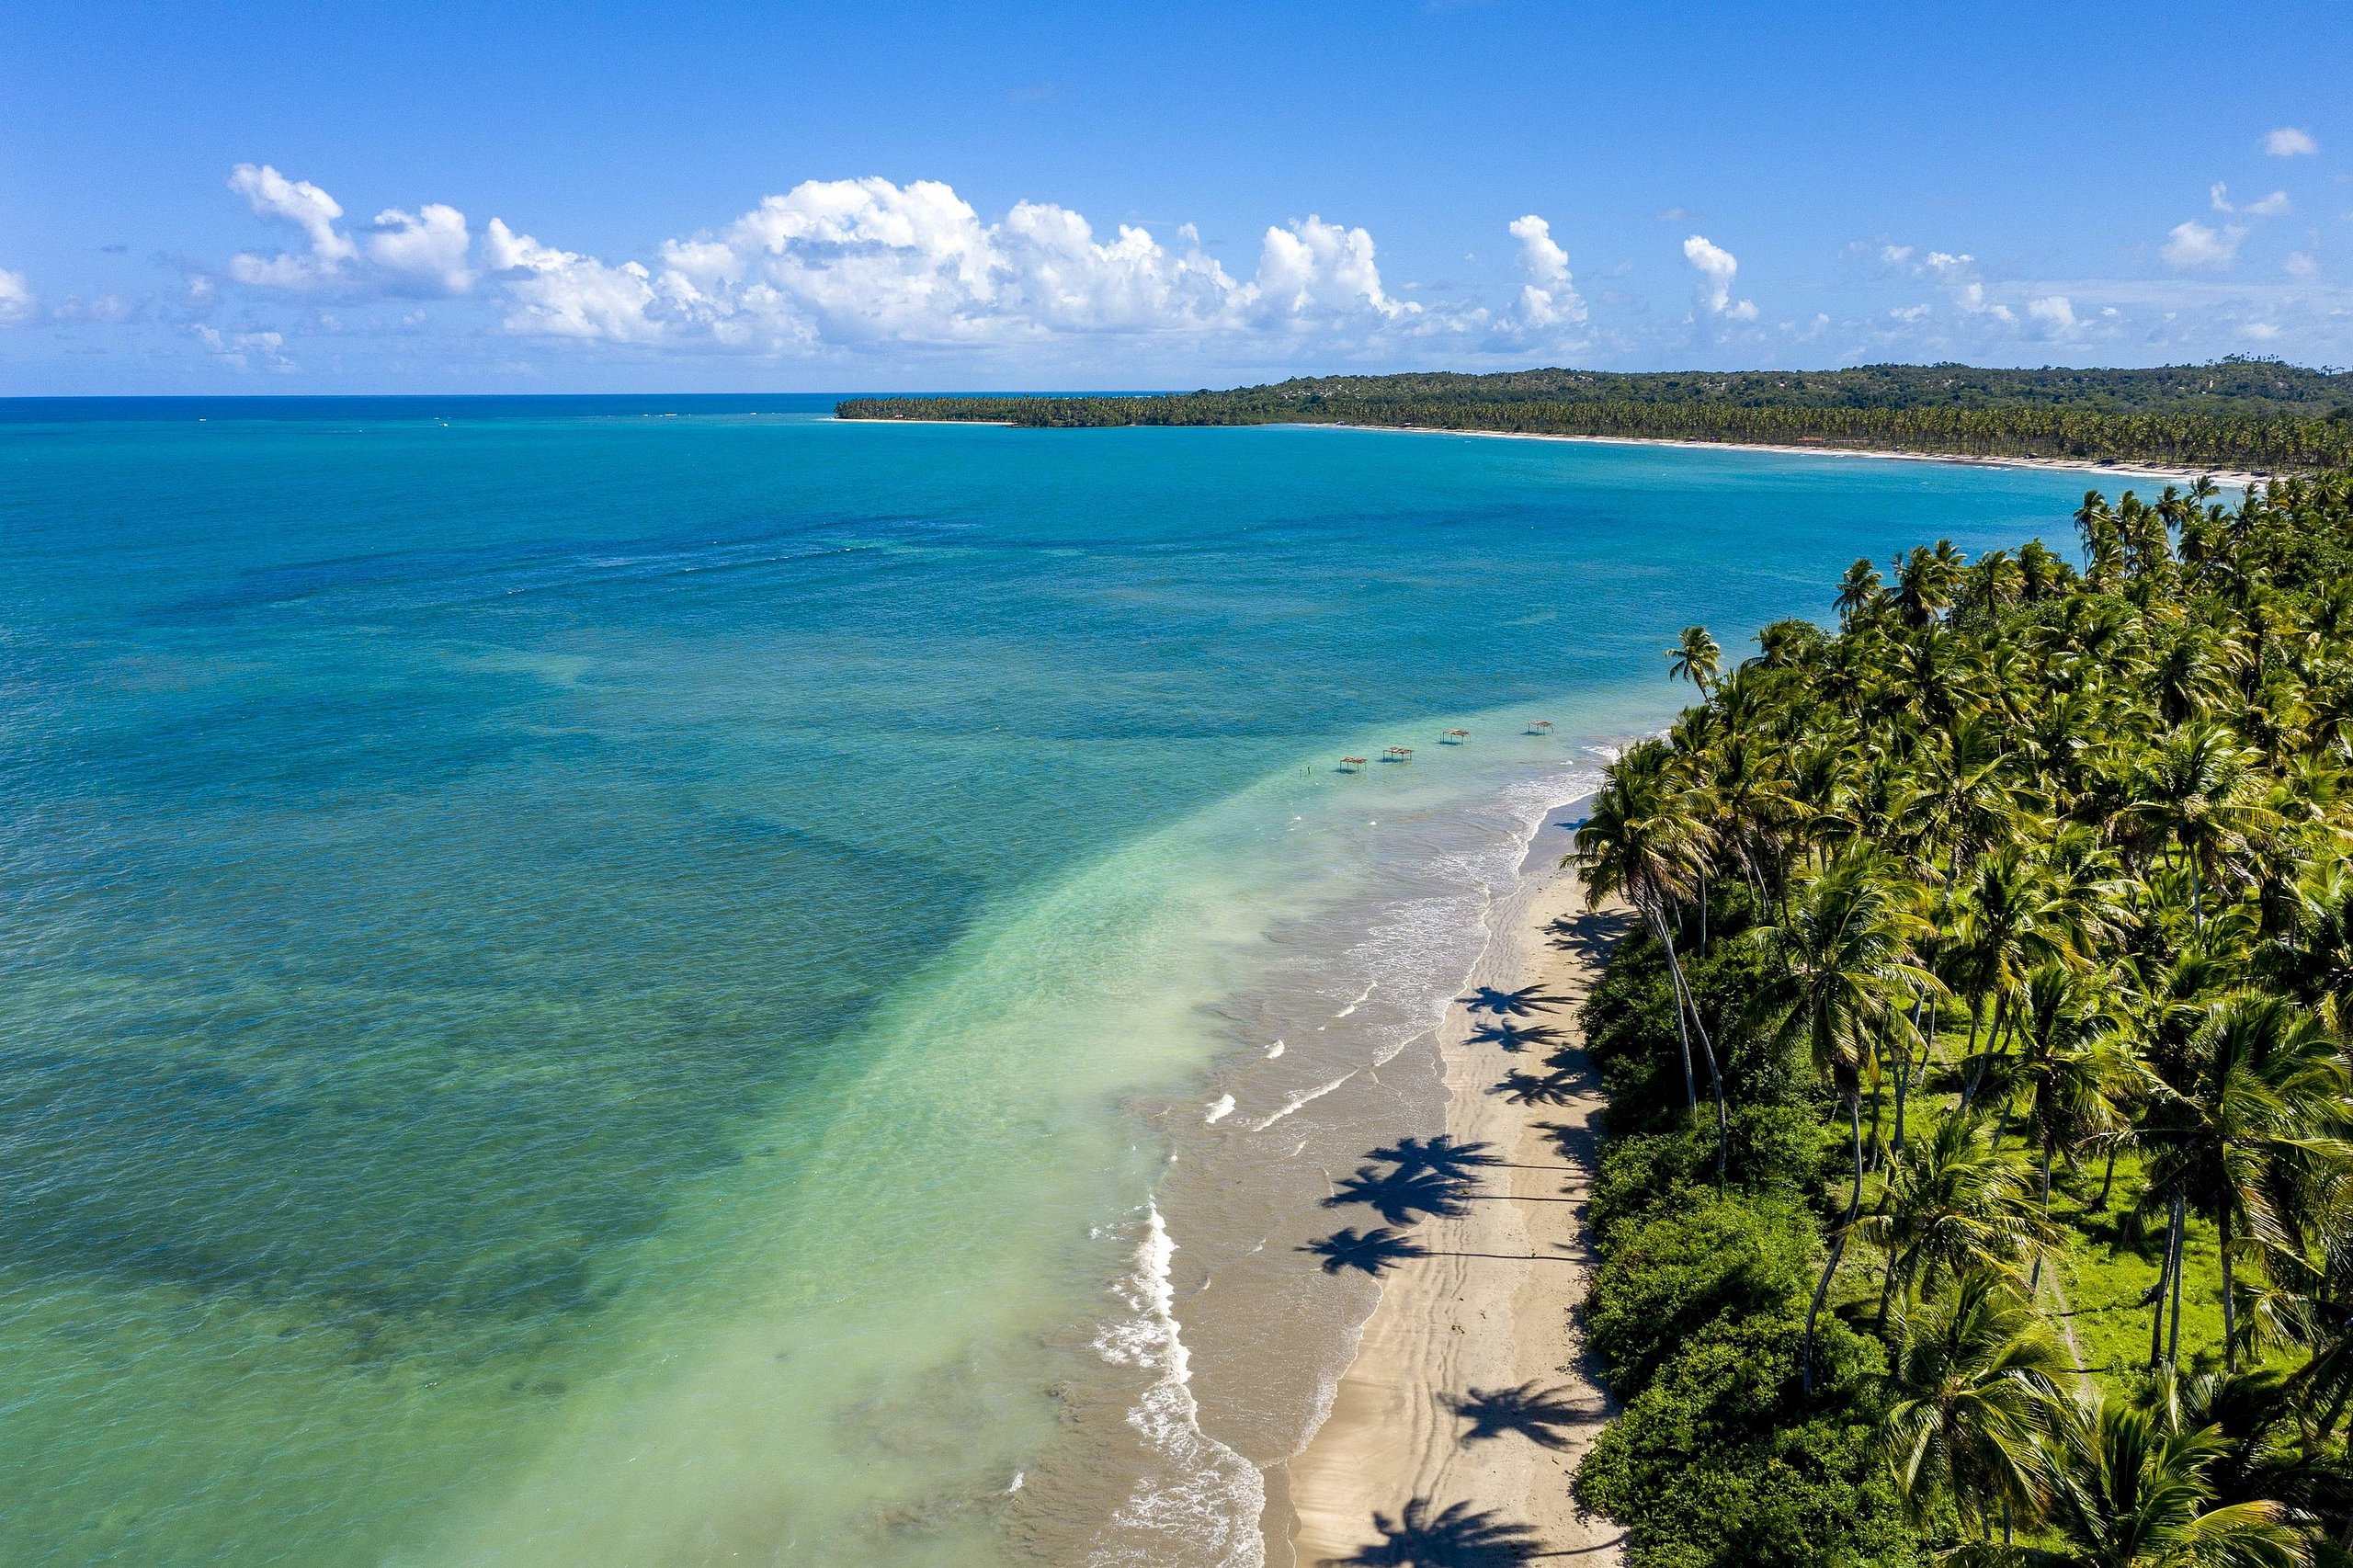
2253	413
1979	1185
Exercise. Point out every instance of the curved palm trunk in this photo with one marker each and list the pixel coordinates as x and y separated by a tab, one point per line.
2035	1278
1682	1032
1904	1081
2230	1308
2173	1331
1837	1246
1969	1085
1707	1052
2165	1278
1715	1086
2107	1181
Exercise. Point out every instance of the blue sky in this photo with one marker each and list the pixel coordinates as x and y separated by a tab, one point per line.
648	197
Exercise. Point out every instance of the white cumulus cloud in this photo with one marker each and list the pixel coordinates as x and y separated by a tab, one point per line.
1550	296
427	246
2054	313
865	261
1717	267
2193	245
562	294
1971	298
239	350
2289	142
16	298
405	254
1316	269
2272	206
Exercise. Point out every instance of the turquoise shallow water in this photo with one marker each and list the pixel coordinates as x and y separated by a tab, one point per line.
599	981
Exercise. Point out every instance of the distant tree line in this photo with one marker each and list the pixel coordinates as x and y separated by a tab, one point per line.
2238	413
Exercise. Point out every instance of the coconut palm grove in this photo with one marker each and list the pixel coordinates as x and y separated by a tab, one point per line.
1979	1186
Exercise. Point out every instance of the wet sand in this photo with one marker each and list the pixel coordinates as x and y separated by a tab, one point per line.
1470	1385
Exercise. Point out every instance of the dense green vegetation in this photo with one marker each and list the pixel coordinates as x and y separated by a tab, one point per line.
2241	413
1979	1184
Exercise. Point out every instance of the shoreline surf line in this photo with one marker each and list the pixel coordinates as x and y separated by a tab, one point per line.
1474	1317
2234	479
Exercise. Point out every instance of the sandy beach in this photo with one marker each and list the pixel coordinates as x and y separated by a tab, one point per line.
1470	1386
2231	479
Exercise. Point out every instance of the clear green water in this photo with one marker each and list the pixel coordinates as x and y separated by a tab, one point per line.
584	987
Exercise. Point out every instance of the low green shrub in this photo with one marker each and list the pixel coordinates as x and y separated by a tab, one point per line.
1714	1256
1721	1461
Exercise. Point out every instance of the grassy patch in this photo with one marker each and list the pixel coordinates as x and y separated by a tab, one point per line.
2110	1267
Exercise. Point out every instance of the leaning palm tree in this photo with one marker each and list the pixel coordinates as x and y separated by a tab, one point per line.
1647	840
2250	1138
1696	658
1967	1393
1846	950
2118	1490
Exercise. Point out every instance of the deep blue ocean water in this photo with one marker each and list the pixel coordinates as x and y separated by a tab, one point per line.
504	904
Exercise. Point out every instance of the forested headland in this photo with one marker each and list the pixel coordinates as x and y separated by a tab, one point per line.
2252	415
1979	1185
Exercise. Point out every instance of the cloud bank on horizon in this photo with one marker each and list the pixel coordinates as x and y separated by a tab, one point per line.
866	270
850	264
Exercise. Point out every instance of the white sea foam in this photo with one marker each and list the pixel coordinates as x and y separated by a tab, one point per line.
1296	1101
1203	1505
1274	1050
1219	1108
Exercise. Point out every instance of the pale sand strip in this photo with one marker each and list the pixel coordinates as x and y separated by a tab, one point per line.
2116	468
1490	1308
2229	479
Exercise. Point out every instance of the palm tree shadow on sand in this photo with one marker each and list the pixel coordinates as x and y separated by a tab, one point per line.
1514	1038
1591	934
1404	1194
1441	1153
1374	1253
1528	1088
1458	1537
1532	1412
1519	1003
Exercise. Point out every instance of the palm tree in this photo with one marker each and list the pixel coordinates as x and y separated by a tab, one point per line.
2250	1138
1845	949
1968	1394
2195	796
1960	793
1953	1207
1924	582
1858	591
2012	923
2073	1068
2116	1491
2042	574
1647	840
2103	544
1696	658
